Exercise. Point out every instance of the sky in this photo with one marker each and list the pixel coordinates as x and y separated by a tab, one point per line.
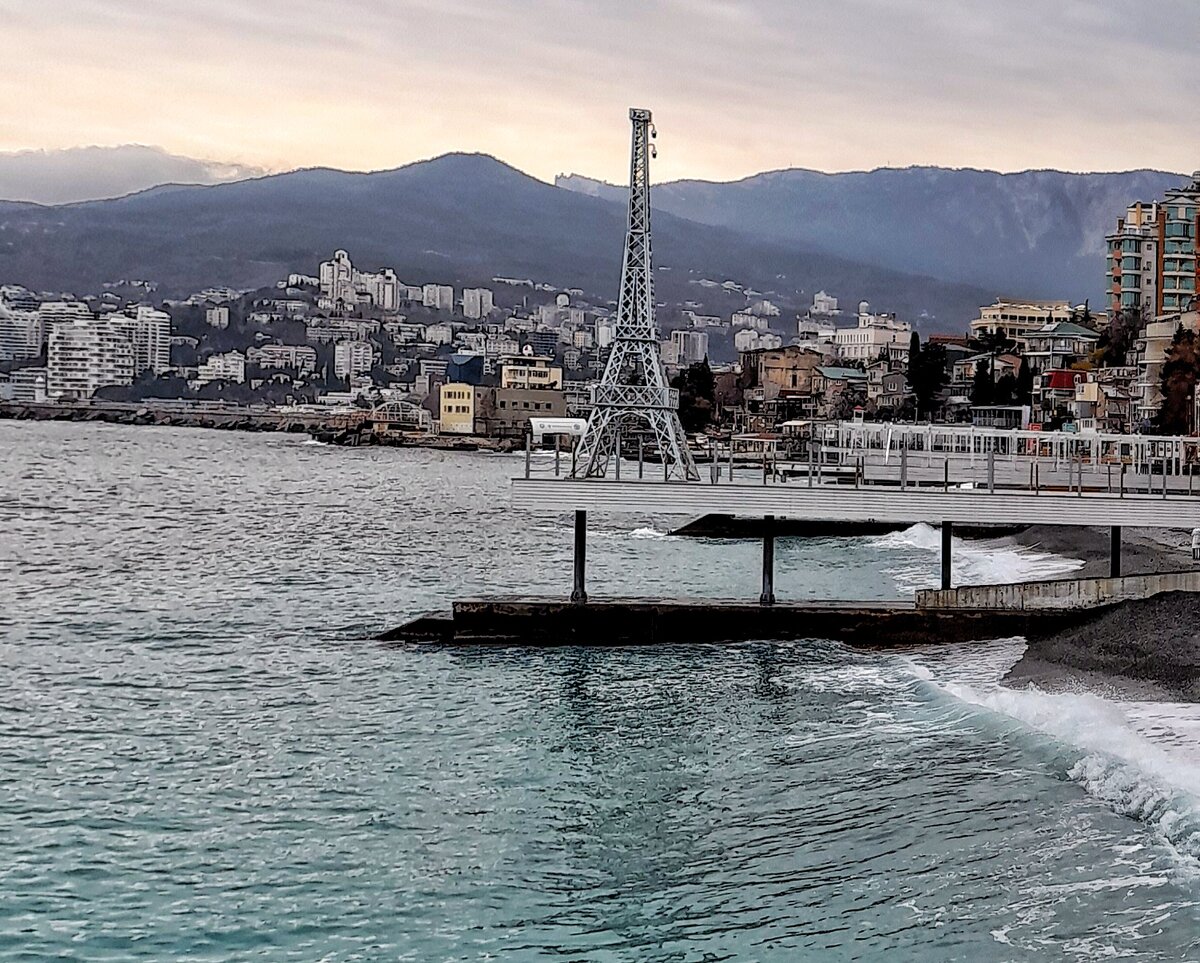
545	85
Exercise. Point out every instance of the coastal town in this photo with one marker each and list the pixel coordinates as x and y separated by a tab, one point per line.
476	363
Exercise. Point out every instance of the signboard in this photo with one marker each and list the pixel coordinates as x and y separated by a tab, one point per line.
539	427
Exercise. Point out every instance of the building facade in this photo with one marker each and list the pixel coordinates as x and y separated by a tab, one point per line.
84	355
1013	320
1133	259
352	358
477	303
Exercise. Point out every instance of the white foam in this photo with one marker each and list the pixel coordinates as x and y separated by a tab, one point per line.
1140	759
973	562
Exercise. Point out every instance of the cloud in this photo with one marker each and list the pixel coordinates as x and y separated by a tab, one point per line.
736	87
88	173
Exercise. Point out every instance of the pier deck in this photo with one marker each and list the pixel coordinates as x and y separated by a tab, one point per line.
515	620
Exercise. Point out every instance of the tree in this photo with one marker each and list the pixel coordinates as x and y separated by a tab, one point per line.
697	395
1024	386
927	375
914	356
1179	374
983	389
1114	344
1006	390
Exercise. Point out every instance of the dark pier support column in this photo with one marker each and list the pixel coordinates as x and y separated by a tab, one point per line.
578	593
768	581
947	534
1114	551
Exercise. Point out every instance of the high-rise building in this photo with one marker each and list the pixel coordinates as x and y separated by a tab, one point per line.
689	346
440	297
1180	268
217	317
477	303
352	358
20	334
150	332
1133	259
85	354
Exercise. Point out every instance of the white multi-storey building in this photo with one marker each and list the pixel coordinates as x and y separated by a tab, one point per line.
439	334
352	358
150	333
689	346
478	302
217	317
230	366
824	304
744	319
344	286
85	354
440	297
873	335
21	334
301	357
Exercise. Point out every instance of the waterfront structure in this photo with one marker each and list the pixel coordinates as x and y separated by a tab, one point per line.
465	409
1133	259
440	297
1013	320
85	354
230	366
23	385
477	303
634	391
515	406
352	358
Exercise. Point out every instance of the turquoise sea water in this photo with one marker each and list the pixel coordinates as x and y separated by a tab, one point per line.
203	755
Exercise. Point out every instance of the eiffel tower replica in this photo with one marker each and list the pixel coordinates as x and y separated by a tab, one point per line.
633	393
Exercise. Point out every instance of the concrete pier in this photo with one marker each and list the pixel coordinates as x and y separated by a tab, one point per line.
554	622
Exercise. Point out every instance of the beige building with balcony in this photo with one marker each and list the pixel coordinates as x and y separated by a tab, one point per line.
1016	319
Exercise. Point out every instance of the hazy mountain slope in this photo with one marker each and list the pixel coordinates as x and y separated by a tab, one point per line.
455	219
1035	233
87	173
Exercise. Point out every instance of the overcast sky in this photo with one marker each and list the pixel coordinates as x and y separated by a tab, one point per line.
735	88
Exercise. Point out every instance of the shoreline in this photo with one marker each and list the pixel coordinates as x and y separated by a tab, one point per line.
1146	650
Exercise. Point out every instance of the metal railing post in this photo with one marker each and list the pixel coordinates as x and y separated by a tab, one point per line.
641	457
557	453
528	452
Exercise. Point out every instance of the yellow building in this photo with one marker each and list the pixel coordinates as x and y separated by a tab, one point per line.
1015	319
465	409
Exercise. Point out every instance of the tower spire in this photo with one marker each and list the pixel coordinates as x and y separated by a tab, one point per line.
633	391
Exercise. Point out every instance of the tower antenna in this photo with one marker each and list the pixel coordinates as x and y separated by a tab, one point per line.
633	391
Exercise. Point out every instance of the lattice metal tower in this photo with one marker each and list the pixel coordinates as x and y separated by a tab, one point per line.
634	391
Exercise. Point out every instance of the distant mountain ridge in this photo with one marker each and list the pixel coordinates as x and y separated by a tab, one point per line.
459	218
1037	233
90	173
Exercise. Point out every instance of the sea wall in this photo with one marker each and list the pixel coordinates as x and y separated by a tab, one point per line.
1058	594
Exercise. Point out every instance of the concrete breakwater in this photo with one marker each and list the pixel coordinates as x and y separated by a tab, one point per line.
351	429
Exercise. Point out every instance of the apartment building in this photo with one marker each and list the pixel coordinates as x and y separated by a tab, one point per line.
1133	259
230	366
85	354
353	358
1015	319
477	303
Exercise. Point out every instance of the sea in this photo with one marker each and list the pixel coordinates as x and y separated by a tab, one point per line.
205	756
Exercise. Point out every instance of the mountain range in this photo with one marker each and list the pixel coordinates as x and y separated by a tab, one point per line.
458	219
930	244
1033	234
